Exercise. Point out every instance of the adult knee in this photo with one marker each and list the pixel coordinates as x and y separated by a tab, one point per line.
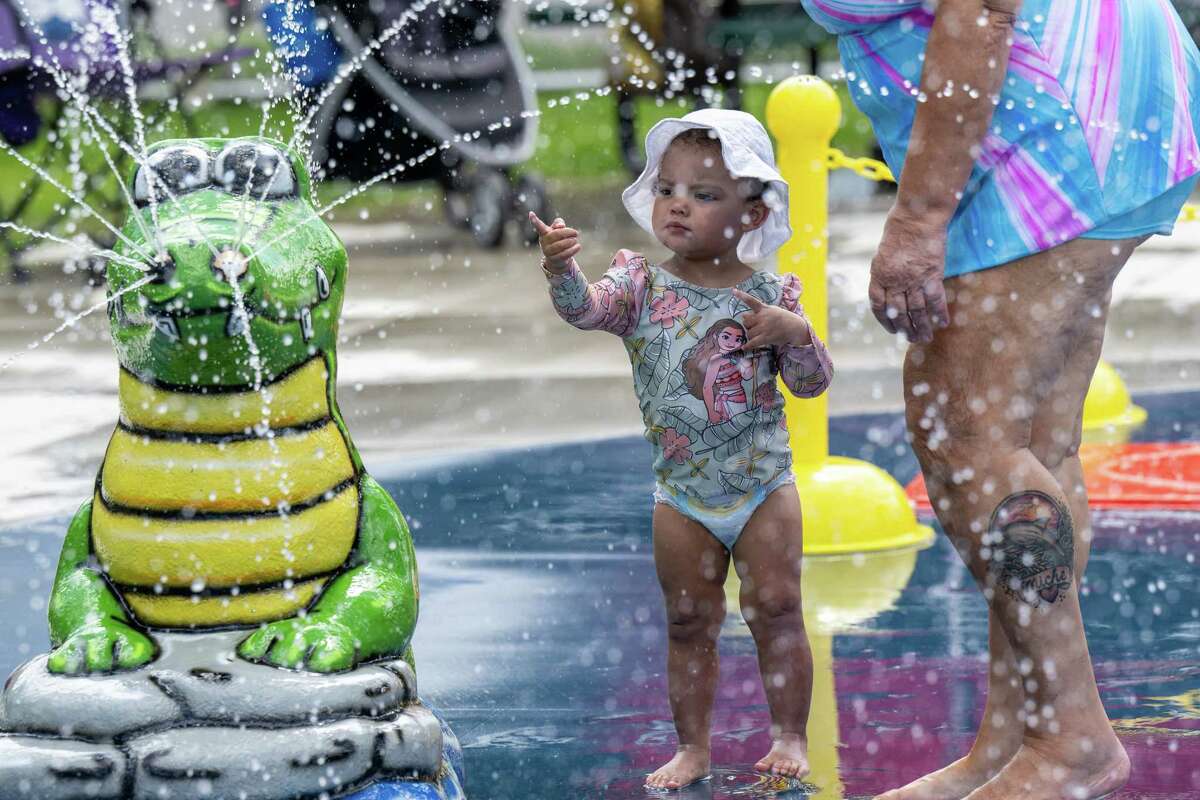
954	438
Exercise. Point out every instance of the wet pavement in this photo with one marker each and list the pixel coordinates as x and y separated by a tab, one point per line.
542	639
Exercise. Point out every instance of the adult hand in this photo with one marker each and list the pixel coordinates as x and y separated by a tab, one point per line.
559	243
906	289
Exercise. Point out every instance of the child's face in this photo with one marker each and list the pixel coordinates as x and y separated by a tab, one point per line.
700	210
730	339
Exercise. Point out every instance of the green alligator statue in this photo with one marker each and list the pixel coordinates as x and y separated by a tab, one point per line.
231	495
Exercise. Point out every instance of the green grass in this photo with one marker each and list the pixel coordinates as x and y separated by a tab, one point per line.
577	145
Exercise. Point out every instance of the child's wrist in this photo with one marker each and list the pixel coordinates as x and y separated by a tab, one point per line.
554	269
802	335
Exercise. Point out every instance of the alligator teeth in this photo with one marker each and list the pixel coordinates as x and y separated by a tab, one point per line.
237	324
322	283
306	324
166	326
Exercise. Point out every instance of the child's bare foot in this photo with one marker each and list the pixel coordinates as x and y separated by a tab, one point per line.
952	782
1075	771
689	765
788	757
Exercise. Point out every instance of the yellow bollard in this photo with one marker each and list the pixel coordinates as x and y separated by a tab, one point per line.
849	505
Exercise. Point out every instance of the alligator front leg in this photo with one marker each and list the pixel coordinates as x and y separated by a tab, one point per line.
89	627
367	612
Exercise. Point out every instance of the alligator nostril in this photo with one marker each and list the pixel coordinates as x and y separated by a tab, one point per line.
229	265
163	269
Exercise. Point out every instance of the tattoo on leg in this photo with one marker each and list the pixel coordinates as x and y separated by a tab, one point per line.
1030	547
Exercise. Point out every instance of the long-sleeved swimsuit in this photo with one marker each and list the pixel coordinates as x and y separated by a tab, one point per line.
713	412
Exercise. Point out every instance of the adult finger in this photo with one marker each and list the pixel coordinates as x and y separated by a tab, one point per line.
539	226
878	298
935	302
918	316
750	300
558	223
897	311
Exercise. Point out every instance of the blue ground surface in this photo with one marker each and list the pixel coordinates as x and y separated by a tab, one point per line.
541	635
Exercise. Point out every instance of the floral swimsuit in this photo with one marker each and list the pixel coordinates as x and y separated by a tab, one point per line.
713	413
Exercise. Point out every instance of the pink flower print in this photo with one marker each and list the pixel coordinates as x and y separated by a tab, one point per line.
668	308
676	446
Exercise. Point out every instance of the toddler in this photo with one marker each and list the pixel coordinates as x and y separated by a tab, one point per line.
706	337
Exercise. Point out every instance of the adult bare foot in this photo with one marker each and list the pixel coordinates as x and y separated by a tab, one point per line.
952	782
689	765
1076	770
788	757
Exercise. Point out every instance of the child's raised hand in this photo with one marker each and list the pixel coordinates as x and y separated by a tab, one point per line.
768	325
559	243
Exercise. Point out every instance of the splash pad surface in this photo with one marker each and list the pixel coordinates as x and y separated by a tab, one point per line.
554	678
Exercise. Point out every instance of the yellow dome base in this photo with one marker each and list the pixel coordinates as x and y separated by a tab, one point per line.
1108	412
851	506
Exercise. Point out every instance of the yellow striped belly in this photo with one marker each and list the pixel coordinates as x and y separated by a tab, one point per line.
202	519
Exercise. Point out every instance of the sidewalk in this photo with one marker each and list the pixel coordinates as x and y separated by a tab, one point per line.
446	348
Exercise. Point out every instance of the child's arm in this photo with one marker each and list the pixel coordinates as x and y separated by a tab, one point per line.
801	357
610	304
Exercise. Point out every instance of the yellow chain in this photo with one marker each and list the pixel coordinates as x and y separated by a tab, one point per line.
868	168
874	170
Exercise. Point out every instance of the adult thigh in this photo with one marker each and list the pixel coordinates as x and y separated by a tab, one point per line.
1014	332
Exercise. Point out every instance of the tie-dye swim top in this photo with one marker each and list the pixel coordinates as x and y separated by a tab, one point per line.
1097	117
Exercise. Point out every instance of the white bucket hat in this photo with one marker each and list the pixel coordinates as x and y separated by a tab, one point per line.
746	150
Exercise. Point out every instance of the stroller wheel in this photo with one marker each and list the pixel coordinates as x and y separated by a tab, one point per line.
530	196
491	197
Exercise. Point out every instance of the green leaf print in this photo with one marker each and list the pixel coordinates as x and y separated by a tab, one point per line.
696	298
684	421
735	483
676	384
717	435
656	363
738	444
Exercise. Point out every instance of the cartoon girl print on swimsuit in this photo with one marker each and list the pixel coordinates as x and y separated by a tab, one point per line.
716	369
713	412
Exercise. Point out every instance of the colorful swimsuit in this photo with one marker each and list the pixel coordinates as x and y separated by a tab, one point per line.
1094	134
714	415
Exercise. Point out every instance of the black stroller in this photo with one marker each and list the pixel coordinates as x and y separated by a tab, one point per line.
457	81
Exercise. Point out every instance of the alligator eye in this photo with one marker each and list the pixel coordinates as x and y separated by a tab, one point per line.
173	171
322	284
256	170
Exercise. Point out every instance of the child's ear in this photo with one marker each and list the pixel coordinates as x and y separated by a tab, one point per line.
755	215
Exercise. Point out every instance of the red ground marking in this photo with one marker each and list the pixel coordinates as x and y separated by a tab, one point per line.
1161	476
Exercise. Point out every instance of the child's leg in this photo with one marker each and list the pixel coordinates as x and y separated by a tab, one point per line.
767	558
691	566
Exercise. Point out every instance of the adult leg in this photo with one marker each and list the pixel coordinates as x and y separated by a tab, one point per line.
767	559
691	566
1055	434
972	399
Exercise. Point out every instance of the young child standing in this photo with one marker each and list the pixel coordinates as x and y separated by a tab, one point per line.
706	336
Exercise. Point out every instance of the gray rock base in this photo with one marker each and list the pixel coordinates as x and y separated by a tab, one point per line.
201	723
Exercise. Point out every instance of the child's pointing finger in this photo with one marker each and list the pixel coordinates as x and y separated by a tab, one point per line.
539	226
755	304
